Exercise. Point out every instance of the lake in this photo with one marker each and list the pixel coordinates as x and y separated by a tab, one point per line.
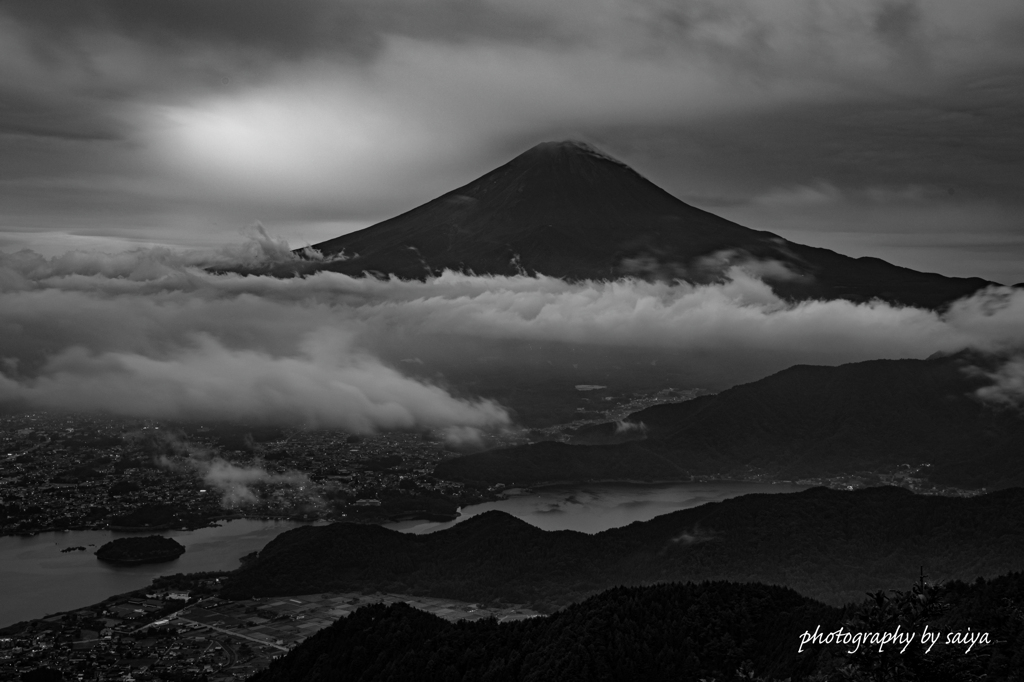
600	506
37	580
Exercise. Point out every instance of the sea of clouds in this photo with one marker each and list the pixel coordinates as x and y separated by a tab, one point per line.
168	334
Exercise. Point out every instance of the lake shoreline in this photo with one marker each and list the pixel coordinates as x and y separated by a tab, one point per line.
37	578
34	572
414	515
599	505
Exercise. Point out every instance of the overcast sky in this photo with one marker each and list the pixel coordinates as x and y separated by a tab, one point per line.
885	128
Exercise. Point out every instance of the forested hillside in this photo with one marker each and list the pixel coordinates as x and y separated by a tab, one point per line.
829	545
803	421
670	633
706	631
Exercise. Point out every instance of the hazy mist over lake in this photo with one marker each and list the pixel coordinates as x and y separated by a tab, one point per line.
598	507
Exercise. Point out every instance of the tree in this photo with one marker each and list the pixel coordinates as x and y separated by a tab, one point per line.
911	611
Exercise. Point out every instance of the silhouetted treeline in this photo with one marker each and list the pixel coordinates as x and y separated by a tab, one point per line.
708	631
668	632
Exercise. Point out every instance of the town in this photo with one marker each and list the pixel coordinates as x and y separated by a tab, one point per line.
89	472
77	471
80	472
178	629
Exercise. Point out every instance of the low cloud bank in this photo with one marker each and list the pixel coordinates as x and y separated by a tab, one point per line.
22	268
327	384
626	426
1007	388
234	481
152	333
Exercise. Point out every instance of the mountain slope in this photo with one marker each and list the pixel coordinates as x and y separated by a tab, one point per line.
829	545
713	630
566	210
803	421
669	632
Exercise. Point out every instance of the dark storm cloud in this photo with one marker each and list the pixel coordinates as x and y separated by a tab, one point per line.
294	29
30	115
932	183
189	119
897	20
968	136
193	44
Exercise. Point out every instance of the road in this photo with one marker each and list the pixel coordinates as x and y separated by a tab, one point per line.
234	634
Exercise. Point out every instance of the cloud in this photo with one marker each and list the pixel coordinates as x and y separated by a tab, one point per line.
626	426
726	263
235	481
184	120
1007	388
466	438
326	385
821	193
942	236
897	20
739	313
148	264
147	333
714	267
693	536
824	194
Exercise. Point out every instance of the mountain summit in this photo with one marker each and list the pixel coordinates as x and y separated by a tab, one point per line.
566	209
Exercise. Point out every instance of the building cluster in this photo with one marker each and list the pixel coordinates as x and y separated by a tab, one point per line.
908	476
180	634
127	637
83	472
601	408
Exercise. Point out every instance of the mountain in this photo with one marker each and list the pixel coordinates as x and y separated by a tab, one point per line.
669	632
708	631
802	421
567	210
829	545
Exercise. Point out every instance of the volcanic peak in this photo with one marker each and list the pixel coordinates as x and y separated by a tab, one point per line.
571	147
566	209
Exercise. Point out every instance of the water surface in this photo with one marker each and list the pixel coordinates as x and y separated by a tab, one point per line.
37	580
597	507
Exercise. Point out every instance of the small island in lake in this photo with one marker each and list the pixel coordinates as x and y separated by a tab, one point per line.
72	549
151	549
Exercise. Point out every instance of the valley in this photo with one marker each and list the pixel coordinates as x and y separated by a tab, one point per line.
531	405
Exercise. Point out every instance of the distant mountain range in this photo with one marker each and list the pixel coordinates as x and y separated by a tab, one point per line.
565	209
803	421
829	545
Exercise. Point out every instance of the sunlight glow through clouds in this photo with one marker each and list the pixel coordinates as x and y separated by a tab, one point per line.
171	125
336	134
292	145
